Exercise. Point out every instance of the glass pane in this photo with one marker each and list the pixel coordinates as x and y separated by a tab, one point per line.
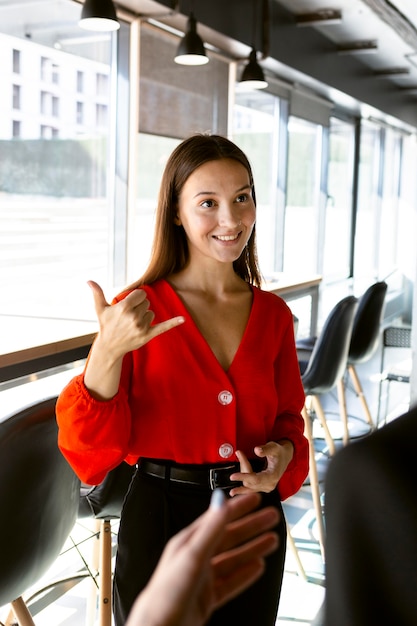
301	213
54	174
388	240
366	235
174	102
255	131
336	261
152	154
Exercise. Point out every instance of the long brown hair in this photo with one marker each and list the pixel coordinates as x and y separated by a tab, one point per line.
170	248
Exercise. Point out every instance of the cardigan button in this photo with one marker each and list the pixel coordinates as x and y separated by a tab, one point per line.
225	397
226	450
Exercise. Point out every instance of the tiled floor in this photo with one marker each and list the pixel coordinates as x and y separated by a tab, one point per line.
74	604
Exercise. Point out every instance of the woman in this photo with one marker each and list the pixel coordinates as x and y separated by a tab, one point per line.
193	376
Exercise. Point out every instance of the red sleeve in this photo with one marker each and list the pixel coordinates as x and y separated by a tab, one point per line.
93	435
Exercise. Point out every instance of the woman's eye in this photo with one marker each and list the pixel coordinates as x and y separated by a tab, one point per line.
242	198
208	204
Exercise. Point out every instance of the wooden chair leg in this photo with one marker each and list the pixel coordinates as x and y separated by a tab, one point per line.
359	391
91	608
105	578
316	404
314	479
293	547
343	410
22	613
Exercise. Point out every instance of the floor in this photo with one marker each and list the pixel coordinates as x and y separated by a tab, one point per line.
74	603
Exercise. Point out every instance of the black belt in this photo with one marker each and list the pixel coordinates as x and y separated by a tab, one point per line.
211	476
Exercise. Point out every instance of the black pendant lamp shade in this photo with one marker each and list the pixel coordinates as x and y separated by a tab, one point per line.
253	75
99	15
191	49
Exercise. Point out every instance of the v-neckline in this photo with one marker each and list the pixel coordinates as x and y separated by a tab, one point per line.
204	340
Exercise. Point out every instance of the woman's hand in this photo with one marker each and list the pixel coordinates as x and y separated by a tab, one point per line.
124	326
278	456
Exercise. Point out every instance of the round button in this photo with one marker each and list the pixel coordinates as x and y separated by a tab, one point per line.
226	450
225	397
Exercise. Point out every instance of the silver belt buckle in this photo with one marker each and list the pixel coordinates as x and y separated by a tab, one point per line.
212	476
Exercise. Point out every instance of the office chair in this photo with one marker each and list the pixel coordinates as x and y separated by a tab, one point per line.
323	372
39	495
364	342
104	503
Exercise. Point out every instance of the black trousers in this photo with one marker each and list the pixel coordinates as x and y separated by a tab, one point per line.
156	509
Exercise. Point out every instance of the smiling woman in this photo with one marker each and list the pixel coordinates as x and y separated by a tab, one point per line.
173	379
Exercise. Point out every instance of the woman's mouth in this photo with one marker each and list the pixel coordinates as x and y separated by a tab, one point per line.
227	237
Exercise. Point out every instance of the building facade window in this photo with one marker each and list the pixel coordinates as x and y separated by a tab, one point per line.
16	97
102	84
80	81
101	115
16	129
79	114
16	61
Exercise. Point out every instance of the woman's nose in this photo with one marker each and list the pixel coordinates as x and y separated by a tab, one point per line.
229	217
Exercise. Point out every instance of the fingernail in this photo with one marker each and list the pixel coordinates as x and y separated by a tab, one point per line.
217	499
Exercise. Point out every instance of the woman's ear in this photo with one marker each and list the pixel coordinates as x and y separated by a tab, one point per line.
177	220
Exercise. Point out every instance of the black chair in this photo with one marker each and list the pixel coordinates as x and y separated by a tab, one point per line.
365	338
366	332
394	337
39	496
104	503
324	371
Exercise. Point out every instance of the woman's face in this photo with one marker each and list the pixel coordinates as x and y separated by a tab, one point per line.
217	210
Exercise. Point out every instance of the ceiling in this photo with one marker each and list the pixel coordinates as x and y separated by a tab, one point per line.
326	57
388	28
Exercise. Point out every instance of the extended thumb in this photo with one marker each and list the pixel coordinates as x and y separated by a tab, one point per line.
100	301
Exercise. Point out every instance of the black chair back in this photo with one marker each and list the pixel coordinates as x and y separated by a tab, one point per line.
367	323
39	495
105	501
328	359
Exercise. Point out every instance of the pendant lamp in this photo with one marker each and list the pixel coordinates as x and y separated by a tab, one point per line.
99	15
253	76
191	49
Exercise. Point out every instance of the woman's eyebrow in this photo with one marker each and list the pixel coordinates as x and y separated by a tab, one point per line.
214	193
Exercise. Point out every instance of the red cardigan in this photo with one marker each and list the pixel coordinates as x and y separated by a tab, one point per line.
176	402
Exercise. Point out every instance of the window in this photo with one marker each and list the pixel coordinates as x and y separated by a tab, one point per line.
301	250
16	61
56	229
256	131
45	67
79	113
174	101
16	97
80	81
55	106
45	103
369	197
102	84
338	217
16	132
54	74
101	115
